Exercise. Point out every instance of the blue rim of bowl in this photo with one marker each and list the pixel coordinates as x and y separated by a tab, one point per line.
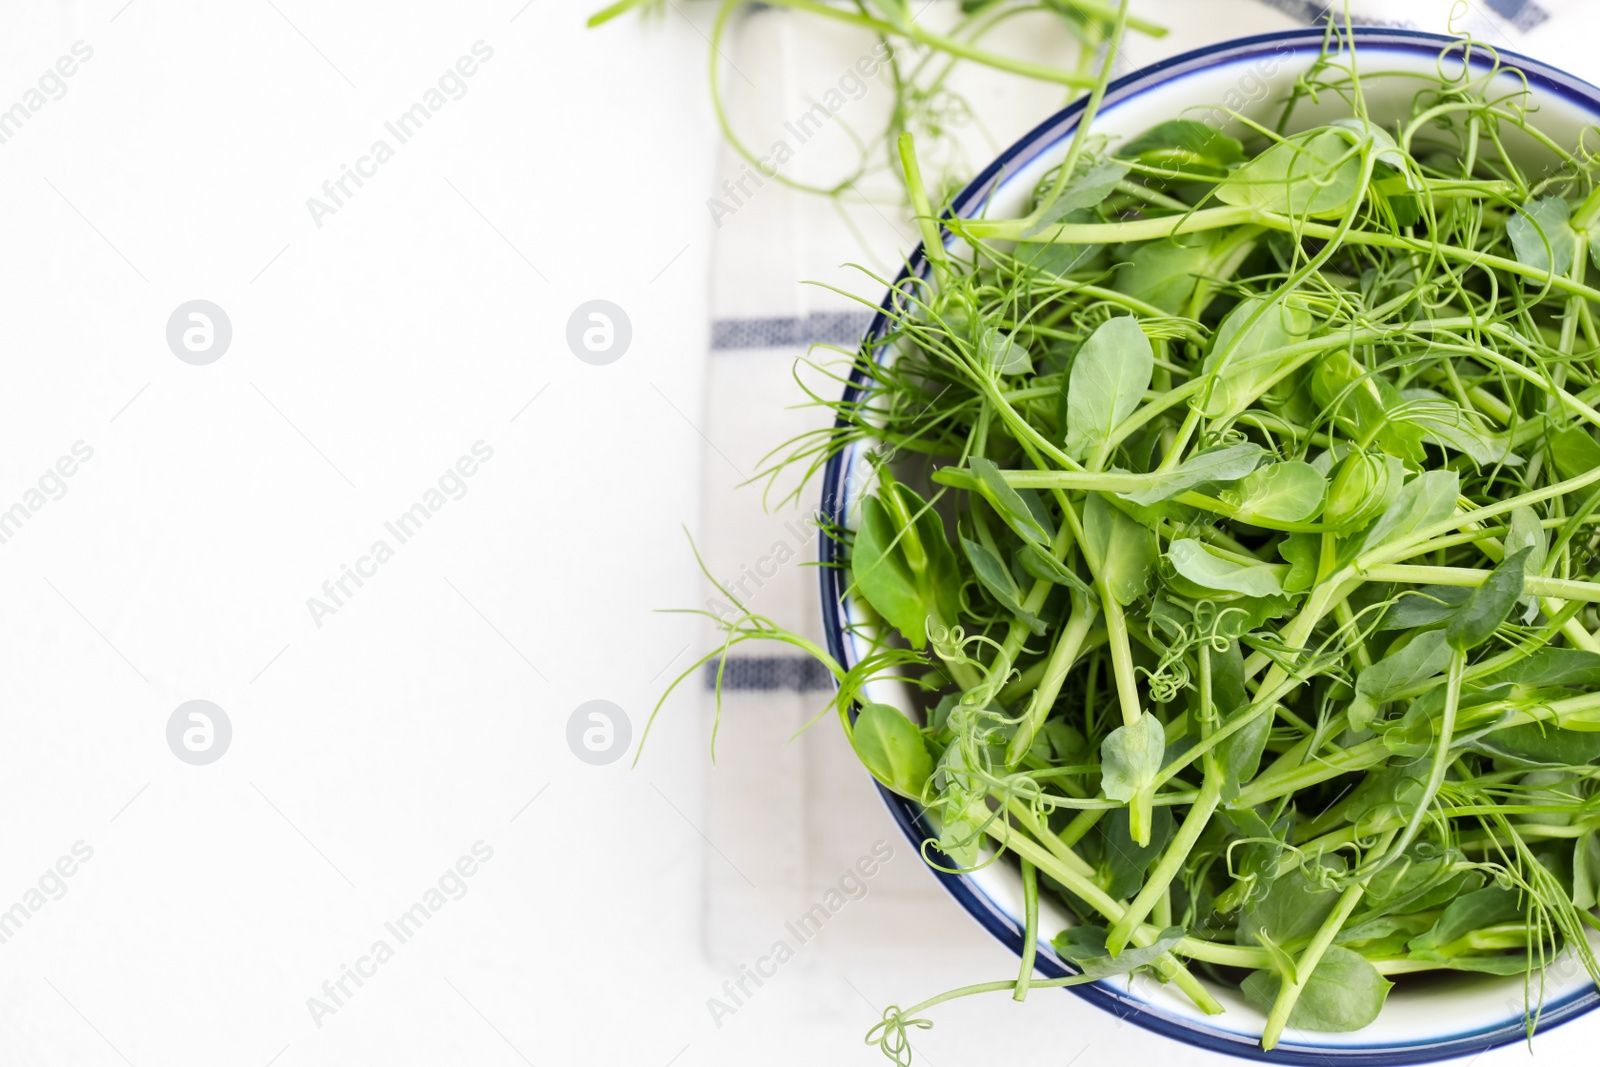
835	506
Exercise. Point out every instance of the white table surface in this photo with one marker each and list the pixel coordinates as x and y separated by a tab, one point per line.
375	745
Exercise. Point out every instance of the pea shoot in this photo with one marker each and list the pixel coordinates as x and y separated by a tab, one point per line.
921	64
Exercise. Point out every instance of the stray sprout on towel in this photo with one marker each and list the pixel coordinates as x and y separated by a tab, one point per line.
920	61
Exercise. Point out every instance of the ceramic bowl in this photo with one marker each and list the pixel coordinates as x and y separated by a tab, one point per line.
1453	1015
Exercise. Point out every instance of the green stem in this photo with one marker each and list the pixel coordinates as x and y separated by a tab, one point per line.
1085	233
1030	929
1086	119
1562	588
927	221
1059	849
1269	786
955	47
1441	752
1157	881
1049	686
1097	899
1306	965
1121	655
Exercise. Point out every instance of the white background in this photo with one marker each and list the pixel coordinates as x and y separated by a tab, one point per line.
429	711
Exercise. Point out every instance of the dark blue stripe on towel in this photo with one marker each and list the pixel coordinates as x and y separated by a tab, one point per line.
770	674
817	328
1311	12
1523	14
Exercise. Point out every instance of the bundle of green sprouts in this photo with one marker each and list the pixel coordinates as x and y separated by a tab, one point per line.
1235	527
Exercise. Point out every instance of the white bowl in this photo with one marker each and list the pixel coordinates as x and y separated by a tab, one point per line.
1452	1015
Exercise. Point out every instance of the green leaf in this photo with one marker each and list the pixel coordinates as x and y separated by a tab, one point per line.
1085	190
1537	744
1030	521
1239	754
1165	272
1552	667
936	576
1415	733
999	353
1313	174
1366	405
1344	992
1058	257
892	748
1066	741
1125	861
1541	234
1586	871
1473	911
1107	381
1383	794
961	810
1227	679
1574	452
997	579
1428	498
1240	615
1245	352
1526	531
1080	941
1421	659
961	832
1363	485
1192	560
1184	146
1360	132
1420	881
1477	620
1279	492
1425	605
879	570
1125	548
1046	568
1130	958
1292	908
1226	464
1303	552
1130	757
1452	426
1343	384
1512	963
1389	928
